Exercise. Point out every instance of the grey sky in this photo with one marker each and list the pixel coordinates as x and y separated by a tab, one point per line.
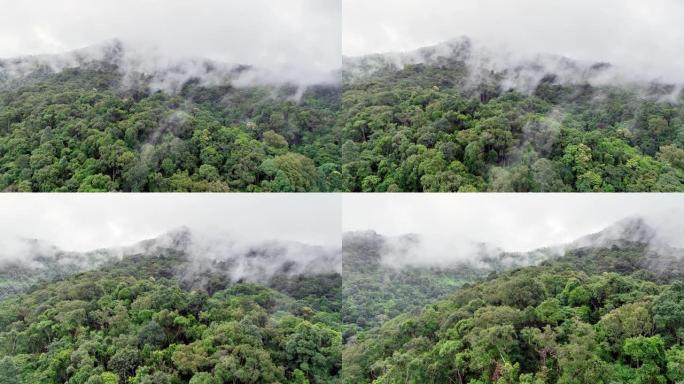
267	33
638	35
515	222
88	221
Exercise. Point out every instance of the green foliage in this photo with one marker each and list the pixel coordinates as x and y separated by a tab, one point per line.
83	130
546	324
135	321
421	128
426	127
594	315
675	364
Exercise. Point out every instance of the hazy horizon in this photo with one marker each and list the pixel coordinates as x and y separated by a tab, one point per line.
84	222
513	222
637	36
299	38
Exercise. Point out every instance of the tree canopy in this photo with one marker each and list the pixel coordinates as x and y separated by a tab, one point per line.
137	321
83	130
422	127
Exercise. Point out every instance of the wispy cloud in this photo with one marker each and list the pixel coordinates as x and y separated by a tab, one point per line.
302	35
643	37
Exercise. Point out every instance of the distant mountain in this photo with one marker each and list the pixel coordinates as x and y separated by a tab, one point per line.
142	68
138	68
463	53
196	261
377	283
109	314
39	261
379	269
626	234
451	54
472	66
630	246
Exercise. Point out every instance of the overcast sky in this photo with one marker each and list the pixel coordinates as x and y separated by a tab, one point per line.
514	222
511	221
267	33
83	222
641	35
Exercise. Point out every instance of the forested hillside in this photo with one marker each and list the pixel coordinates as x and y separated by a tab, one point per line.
375	291
451	118
607	308
96	125
158	318
378	285
440	119
549	324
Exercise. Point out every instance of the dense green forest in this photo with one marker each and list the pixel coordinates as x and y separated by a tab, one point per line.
85	129
548	324
435	125
142	320
608	310
377	288
440	125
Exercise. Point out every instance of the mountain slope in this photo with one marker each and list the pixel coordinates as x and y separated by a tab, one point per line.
142	317
629	247
104	121
196	261
534	325
445	118
380	281
452	117
609	309
375	291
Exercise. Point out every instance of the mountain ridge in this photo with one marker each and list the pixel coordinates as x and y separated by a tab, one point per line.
148	68
196	259
479	65
372	276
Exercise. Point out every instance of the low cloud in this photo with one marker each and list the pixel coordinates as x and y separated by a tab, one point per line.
512	70
512	222
83	222
641	38
296	41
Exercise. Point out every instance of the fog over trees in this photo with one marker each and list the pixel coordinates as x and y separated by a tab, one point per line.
450	298
304	122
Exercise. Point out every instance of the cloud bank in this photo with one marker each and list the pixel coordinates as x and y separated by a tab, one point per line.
83	222
298	40
512	222
641	37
